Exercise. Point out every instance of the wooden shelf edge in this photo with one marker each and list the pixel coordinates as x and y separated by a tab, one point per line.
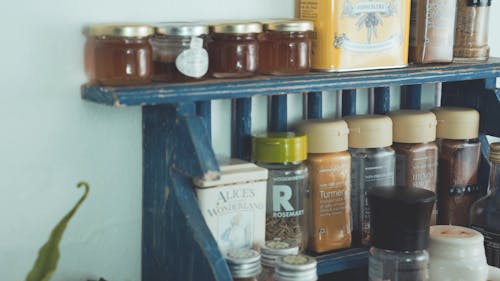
159	93
342	260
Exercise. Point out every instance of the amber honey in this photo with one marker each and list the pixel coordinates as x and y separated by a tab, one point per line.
118	55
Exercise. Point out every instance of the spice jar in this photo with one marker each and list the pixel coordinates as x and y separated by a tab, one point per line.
373	165
296	268
244	264
178	51
285	47
471	35
118	54
270	252
287	189
234	49
234	206
400	233
432	30
459	154
414	135
329	163
486	211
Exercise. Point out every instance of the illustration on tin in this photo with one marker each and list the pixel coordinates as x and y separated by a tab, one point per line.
370	16
236	230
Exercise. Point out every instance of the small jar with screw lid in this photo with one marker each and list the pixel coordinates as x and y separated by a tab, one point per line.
118	54
244	264
272	250
178	51
296	268
285	47
234	49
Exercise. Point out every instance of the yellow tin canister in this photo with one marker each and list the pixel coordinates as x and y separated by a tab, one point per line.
358	34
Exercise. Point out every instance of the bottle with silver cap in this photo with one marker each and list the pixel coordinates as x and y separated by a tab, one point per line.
272	250
296	268
244	264
178	51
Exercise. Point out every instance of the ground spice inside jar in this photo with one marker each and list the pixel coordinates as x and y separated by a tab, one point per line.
471	35
459	155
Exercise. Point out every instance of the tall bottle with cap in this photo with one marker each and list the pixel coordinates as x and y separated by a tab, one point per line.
283	154
485	213
329	164
414	135
400	233
373	164
459	154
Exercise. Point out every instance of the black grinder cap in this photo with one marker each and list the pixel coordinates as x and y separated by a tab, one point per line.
400	217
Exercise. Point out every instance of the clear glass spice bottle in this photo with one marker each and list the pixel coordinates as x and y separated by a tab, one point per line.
270	252
296	268
432	30
471	35
178	51
234	49
373	165
283	154
118	54
400	233
285	47
244	264
329	163
459	154
414	135
485	213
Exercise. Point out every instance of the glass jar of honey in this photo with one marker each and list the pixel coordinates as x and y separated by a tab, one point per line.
118	54
285	47
178	51
234	49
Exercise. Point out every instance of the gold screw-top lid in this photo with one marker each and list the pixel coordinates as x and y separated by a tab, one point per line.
495	152
457	123
181	28
236	27
279	147
369	131
413	126
288	25
325	136
119	30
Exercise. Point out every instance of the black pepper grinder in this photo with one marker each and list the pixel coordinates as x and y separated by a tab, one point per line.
400	233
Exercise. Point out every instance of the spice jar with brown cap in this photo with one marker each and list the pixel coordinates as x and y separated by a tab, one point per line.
414	135
485	213
459	154
432	30
118	54
329	164
373	165
234	49
285	47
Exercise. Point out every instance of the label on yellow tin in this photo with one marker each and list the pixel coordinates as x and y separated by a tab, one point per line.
358	34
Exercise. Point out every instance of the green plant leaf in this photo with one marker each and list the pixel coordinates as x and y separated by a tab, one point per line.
48	255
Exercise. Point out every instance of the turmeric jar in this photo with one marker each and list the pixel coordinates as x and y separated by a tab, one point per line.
118	54
329	163
285	47
178	51
234	49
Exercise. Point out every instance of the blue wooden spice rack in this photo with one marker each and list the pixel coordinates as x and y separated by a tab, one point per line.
176	242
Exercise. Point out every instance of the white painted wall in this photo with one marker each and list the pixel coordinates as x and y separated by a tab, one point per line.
50	139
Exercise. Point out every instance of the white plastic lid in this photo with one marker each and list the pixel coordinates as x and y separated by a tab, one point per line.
234	171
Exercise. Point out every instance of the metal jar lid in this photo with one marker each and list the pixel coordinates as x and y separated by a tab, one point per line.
289	25
236	27
274	249
119	30
296	268
243	263
495	152
181	28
